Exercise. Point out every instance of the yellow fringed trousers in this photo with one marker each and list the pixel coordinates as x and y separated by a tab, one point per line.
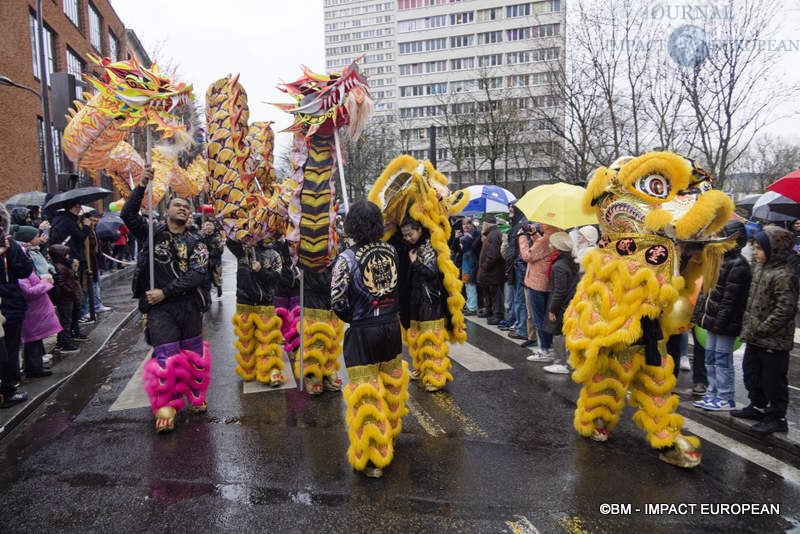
259	341
322	343
427	344
603	396
376	403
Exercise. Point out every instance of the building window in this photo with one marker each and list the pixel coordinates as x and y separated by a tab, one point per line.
490	61
519	10
462	63
488	15
436	66
490	37
462	86
435	44
95	29
49	47
462	18
436	22
462	40
74	63
411	48
113	47
42	155
72	8
436	88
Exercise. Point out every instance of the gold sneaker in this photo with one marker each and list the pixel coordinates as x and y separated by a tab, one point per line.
600	432
165	419
200	409
682	454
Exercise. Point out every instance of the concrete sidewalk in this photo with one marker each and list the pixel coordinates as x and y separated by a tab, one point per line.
115	293
722	421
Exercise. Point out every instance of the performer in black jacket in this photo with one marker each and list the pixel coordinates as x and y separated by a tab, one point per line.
181	363
364	293
257	325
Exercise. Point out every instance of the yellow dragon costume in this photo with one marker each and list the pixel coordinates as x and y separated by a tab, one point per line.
409	187
657	213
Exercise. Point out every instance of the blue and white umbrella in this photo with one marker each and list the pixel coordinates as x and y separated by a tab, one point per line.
487	199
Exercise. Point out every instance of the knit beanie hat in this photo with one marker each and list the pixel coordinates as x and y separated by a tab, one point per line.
763	241
25	234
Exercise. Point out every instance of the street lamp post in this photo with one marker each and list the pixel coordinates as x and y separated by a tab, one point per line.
48	133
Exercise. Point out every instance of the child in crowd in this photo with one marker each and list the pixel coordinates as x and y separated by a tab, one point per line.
768	330
721	313
66	296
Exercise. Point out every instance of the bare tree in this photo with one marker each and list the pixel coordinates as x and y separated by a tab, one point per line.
768	158
733	93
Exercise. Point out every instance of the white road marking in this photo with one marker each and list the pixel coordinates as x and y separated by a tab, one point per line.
474	359
795	387
427	422
521	525
748	453
133	396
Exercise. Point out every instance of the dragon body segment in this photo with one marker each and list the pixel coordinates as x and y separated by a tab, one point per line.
128	96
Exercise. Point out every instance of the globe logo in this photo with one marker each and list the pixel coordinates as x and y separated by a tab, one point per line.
688	46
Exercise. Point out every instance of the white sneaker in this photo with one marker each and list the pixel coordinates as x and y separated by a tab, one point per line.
102	309
47	359
685	365
541	356
556	369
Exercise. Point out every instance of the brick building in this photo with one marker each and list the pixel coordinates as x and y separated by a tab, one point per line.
73	28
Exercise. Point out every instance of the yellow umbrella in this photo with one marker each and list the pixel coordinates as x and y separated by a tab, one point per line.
558	205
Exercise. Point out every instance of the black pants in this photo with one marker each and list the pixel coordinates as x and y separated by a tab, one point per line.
765	377
10	370
495	301
32	353
64	310
173	320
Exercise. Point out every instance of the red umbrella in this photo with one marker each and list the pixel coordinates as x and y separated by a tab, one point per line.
788	186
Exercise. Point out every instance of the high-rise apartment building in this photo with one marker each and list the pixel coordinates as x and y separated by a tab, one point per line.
478	71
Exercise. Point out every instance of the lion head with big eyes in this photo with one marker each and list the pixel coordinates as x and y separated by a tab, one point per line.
660	193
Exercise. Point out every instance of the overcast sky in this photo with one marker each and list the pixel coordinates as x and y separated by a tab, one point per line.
265	41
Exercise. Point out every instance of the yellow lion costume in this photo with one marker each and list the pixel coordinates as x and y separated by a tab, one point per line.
417	189
657	213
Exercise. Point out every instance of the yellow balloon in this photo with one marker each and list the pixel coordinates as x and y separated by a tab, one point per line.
679	318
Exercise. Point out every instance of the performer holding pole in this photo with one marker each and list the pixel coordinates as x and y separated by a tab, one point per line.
177	263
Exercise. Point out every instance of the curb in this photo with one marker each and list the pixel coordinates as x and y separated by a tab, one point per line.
32	404
740	428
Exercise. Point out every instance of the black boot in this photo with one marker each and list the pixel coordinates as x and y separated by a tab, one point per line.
770	425
750	412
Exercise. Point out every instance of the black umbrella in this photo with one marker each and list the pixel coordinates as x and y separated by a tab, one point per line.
83	195
108	227
31	198
775	207
746	204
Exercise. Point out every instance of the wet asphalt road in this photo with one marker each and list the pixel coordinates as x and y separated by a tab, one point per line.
494	452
